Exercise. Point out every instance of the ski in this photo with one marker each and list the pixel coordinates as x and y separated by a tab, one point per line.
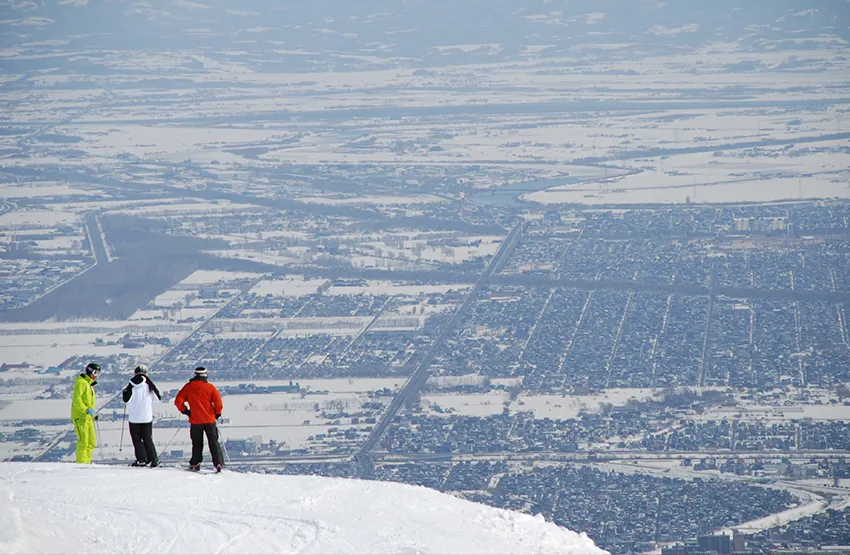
185	468
204	470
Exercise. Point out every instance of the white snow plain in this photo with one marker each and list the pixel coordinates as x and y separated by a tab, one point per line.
69	508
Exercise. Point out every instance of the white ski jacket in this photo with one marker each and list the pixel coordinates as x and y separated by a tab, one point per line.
140	395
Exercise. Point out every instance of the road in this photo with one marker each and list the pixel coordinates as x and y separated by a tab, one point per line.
674	289
545	457
6	206
96	239
420	375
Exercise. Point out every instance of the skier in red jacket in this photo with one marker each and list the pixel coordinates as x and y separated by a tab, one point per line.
204	409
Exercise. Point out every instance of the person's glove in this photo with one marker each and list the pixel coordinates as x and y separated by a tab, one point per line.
187	412
217	416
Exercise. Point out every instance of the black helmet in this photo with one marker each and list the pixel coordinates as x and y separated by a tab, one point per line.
93	368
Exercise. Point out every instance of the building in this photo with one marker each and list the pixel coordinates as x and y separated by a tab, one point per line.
738	541
704	545
720	544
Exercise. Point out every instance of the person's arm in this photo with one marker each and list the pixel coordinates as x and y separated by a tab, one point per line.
218	406
154	390
127	393
180	401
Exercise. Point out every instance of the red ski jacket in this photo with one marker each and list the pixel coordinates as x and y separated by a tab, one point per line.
204	401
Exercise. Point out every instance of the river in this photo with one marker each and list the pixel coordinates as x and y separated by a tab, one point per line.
509	194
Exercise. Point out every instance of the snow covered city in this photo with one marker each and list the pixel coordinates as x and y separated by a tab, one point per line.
425	277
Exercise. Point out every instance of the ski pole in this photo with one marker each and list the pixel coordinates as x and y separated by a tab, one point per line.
97	437
223	445
164	449
123	417
111	398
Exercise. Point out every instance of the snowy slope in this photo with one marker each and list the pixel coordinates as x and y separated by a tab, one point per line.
67	508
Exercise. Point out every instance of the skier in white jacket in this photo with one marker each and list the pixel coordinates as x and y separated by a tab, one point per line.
139	396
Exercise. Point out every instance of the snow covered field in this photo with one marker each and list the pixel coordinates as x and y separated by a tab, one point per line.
50	343
676	118
815	170
66	508
543	406
289	419
292	286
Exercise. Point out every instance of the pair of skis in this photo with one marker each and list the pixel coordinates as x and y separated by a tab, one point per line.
214	470
203	470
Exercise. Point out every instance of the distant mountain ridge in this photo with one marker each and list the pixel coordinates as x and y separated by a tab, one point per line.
417	32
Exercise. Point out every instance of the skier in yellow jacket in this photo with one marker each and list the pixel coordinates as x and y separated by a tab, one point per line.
82	412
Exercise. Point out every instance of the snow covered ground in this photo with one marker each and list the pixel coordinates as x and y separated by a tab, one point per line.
67	508
763	174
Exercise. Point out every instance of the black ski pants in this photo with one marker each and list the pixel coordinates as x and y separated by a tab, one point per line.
142	435
197	432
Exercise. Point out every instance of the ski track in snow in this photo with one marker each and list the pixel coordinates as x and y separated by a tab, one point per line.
201	529
88	509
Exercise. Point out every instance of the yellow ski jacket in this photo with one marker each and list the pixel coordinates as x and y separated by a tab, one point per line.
84	397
